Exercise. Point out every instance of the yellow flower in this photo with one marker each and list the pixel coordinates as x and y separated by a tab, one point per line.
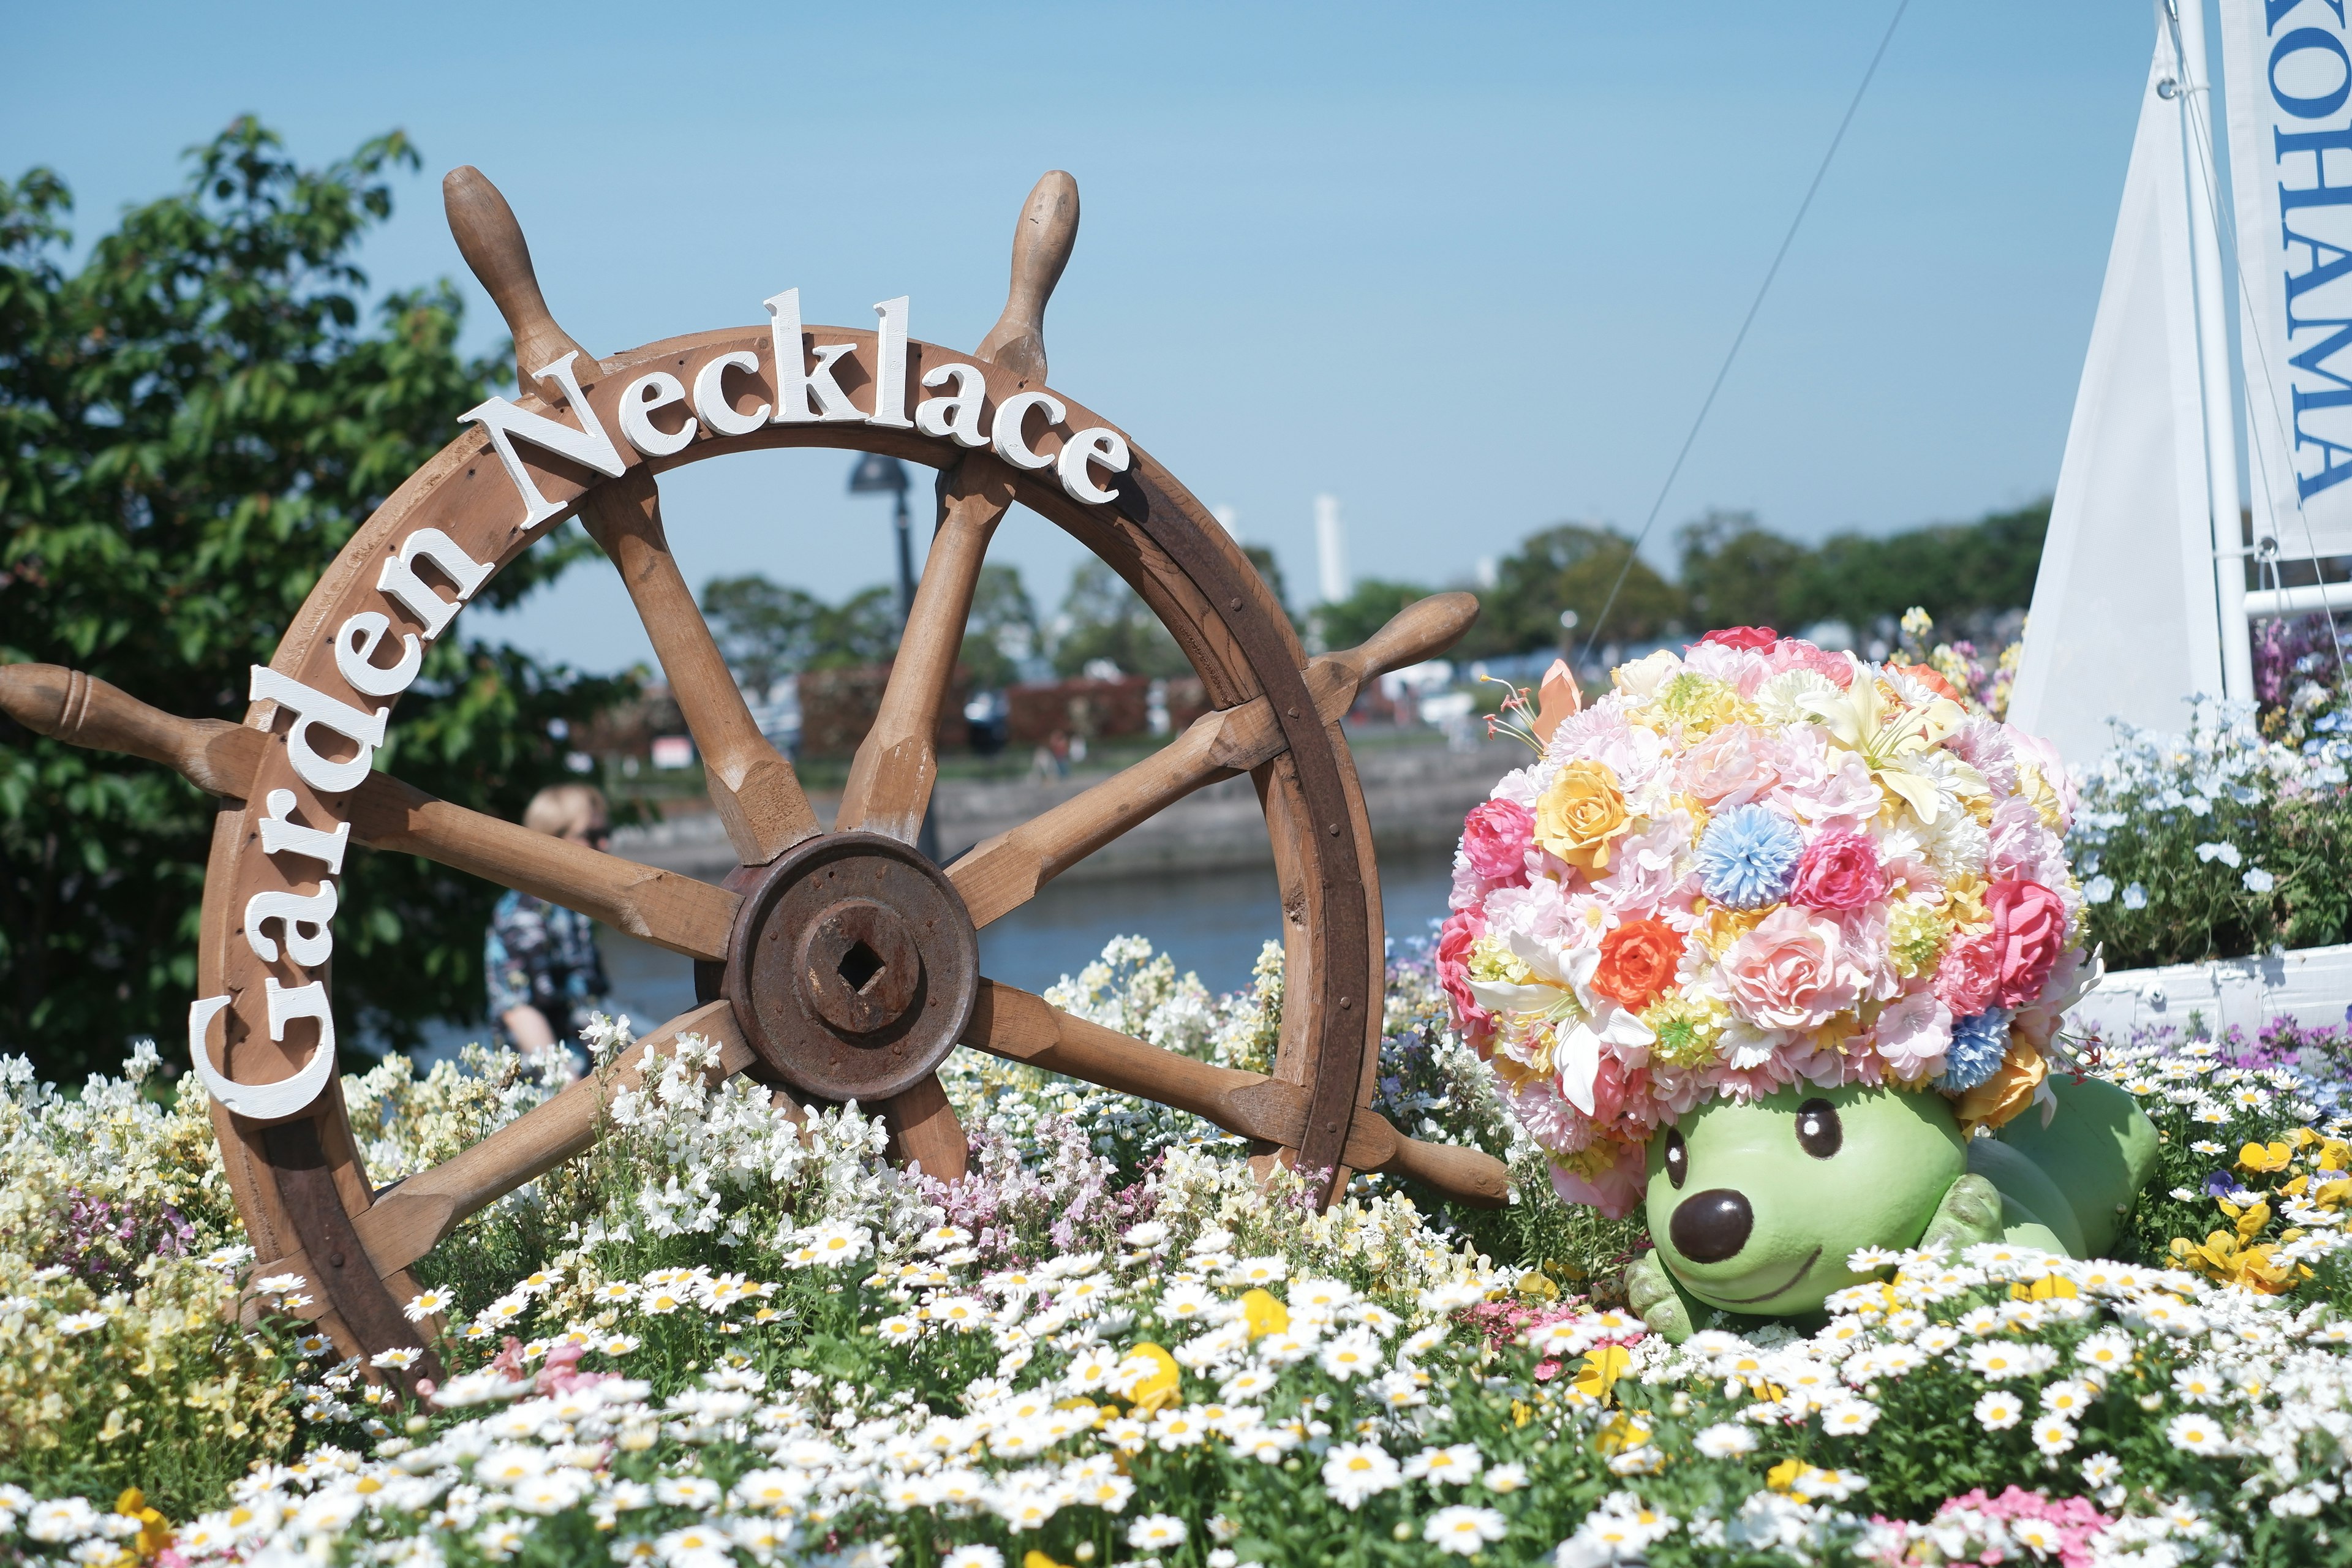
2009	1091
1036	1559
2265	1157
154	1530
1581	815
1264	1312
1161	1387
1783	1476
1622	1432
1602	1367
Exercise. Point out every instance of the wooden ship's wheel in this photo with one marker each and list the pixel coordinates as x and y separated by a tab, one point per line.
835	965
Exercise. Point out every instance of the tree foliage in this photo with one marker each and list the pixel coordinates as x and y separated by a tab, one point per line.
1571	566
1364	611
192	423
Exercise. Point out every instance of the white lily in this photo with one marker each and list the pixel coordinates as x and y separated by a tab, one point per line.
1559	989
1888	736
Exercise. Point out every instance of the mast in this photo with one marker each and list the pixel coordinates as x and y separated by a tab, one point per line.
2227	548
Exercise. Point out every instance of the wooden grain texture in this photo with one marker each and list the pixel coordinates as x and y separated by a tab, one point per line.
83	710
1022	1028
1002	873
753	789
665	907
1042	239
491	241
896	765
924	1129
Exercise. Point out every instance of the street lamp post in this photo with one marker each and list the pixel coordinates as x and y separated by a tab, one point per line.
873	475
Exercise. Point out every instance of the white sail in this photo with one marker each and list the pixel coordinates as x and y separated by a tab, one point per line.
2125	622
2289	74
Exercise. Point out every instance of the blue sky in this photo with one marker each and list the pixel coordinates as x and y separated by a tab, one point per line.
1468	267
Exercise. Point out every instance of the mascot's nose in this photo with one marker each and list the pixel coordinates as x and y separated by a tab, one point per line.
1710	1226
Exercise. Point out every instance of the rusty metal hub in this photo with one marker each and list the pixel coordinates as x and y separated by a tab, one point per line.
853	966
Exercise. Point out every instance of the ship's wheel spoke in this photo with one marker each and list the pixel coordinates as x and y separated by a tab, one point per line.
891	777
924	1129
663	908
1021	1028
1001	874
406	1221
758	796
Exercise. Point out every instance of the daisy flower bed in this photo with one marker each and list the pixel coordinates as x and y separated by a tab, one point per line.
717	1340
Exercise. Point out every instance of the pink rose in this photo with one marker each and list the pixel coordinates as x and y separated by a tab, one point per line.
1730	767
1454	939
1789	973
1965	979
1496	836
1747	639
1615	1190
2029	932
1839	871
1794	653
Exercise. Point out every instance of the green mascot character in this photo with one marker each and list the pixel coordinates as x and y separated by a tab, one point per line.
1755	1208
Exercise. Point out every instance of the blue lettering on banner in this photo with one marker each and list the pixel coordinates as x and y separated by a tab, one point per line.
2318	85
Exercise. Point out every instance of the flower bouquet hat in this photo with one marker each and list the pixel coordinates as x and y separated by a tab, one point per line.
1753	864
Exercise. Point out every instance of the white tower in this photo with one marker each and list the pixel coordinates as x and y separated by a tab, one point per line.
1331	548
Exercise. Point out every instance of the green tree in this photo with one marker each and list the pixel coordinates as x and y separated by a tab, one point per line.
1571	566
1951	570
764	630
1002	629
1364	611
1102	617
192	423
859	632
1736	572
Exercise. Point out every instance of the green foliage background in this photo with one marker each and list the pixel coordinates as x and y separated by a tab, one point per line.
192	422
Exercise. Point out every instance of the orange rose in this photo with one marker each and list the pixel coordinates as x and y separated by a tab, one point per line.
2009	1091
1579	816
1637	961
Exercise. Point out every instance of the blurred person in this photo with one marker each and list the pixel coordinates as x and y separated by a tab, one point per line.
545	976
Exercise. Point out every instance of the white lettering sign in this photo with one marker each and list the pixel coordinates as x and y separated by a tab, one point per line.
587	446
317	708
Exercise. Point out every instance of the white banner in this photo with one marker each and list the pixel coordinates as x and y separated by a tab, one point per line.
2123	623
2288	72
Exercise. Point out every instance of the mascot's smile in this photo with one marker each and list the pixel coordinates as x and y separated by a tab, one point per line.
1790	1283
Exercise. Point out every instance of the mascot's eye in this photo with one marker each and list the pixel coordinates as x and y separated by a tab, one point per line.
1677	1160
1818	1132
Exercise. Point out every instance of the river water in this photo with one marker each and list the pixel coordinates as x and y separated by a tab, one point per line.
1212	924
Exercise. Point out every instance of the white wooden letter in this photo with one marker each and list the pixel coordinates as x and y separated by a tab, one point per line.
399	580
310	707
266	1102
794	382
1098	445
957	415
309	949
356	641
890	366
1010	413
281	835
588	446
710	394
639	400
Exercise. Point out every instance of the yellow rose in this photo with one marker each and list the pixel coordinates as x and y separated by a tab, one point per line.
1580	815
2007	1092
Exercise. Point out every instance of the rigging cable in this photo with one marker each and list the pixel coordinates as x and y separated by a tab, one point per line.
1771	273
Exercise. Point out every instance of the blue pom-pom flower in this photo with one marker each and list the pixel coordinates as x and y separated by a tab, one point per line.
1980	1042
1747	857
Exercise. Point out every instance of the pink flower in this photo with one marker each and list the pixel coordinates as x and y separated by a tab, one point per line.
1730	767
1747	638
1914	1033
1614	1192
1839	871
1454	939
1790	972
1496	836
2029	932
1965	979
1793	653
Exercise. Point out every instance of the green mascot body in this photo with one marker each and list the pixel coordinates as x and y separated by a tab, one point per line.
1756	1207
